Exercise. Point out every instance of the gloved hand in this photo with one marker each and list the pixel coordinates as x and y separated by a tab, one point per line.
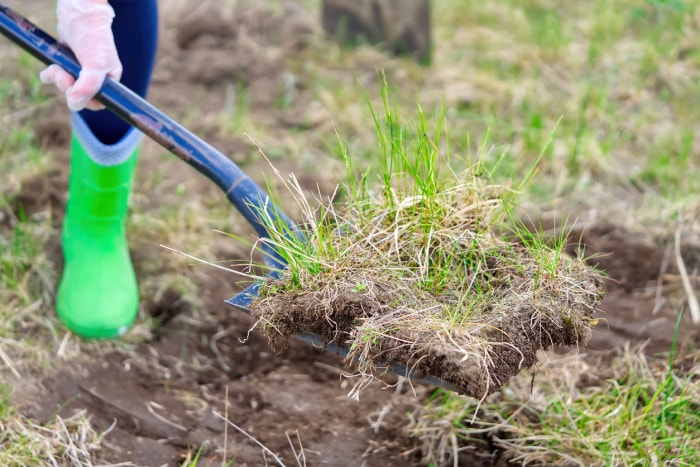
86	27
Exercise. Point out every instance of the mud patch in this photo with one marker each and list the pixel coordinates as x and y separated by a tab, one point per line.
631	260
242	45
162	399
643	291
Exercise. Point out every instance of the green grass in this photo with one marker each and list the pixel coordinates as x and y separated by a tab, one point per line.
596	89
639	411
27	275
607	75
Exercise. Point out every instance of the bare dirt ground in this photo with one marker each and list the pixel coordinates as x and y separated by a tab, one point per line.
159	399
162	394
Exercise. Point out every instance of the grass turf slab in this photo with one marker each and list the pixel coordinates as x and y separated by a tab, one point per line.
419	271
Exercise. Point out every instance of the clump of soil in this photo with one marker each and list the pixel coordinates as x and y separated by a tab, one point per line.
425	281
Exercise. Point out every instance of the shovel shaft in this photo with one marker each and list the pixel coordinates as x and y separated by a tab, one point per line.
248	198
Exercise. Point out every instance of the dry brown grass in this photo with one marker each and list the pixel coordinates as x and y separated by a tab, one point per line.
63	441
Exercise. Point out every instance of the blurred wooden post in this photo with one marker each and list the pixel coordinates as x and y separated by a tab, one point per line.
401	25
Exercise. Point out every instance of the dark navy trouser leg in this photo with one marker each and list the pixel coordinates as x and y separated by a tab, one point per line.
135	29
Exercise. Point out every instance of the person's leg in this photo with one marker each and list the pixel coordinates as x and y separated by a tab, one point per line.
135	29
98	293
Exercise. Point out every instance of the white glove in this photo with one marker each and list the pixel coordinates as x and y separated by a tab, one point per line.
86	27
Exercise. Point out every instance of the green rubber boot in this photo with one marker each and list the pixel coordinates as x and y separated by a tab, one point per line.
98	294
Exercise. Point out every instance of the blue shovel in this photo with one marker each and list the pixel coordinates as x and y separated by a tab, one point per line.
247	197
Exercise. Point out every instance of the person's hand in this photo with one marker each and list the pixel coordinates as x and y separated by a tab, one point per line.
86	27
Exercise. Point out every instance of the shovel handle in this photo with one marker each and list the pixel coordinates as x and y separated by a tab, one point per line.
248	198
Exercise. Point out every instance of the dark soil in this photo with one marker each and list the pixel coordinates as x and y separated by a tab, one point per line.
177	376
162	395
644	293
